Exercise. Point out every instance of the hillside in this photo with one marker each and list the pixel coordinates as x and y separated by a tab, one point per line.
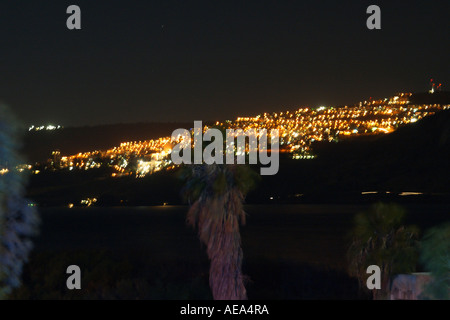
38	145
415	158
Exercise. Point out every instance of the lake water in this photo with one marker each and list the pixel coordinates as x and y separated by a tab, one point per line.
313	234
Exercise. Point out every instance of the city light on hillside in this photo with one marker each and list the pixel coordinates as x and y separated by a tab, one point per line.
298	130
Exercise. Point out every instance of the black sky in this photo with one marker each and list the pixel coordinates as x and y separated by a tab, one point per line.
186	60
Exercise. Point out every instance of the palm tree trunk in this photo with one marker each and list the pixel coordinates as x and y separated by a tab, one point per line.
225	276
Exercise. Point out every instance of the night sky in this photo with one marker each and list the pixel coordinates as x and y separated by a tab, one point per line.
141	61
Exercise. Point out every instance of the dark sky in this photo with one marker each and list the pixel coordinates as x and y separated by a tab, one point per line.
189	60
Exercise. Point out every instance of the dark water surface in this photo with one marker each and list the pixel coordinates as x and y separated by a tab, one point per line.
314	234
290	252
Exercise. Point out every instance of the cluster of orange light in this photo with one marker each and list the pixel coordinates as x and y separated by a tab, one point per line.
297	129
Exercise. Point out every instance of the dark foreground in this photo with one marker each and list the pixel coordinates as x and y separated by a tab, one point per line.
290	252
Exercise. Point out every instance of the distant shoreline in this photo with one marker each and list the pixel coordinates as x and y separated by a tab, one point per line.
363	203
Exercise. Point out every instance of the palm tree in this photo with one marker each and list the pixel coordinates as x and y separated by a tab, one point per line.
380	238
217	193
18	220
435	255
